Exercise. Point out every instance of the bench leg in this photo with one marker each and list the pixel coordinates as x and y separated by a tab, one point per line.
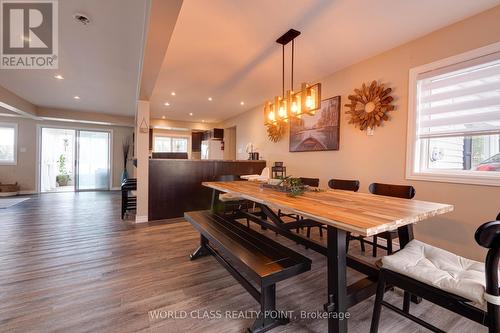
268	318
201	251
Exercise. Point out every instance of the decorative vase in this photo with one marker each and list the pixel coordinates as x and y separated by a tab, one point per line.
124	175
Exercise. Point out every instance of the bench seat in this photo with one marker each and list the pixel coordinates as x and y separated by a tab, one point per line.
268	261
252	259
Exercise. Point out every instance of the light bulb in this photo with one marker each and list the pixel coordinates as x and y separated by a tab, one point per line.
294	107
281	112
309	102
272	116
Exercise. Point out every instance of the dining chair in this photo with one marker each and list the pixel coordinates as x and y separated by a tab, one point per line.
312	182
390	190
347	185
466	287
309	224
230	202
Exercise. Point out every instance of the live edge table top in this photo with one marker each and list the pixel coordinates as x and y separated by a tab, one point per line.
360	213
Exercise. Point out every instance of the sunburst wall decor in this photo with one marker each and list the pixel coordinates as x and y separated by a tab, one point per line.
276	131
369	105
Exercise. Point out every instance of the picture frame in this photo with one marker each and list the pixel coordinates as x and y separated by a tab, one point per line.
319	131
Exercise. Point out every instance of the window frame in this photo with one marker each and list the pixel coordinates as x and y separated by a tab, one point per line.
15	127
171	137
412	146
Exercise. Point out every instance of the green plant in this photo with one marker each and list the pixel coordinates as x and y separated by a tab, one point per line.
61	163
63	177
294	186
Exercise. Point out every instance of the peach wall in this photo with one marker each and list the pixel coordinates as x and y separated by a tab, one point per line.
381	157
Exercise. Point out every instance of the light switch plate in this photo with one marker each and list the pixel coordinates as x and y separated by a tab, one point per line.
22	149
370	131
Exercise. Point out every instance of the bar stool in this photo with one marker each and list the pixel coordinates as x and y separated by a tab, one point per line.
129	202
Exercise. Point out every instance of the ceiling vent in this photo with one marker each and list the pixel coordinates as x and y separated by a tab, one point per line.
81	18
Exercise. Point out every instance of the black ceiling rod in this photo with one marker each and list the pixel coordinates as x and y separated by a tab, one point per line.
283	73
293	52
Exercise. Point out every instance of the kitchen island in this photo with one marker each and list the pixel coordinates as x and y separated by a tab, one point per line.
175	185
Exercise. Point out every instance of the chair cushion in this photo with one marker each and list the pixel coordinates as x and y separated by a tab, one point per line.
439	268
226	197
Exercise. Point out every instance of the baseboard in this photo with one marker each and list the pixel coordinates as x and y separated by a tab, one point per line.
27	192
141	219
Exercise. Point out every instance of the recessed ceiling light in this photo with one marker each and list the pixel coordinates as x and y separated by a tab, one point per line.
242	103
76	97
190	113
59	77
202	121
162	117
166	104
172	93
210	99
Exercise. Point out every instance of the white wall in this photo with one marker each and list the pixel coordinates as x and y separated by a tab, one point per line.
25	171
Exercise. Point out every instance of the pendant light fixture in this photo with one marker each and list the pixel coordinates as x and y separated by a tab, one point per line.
292	104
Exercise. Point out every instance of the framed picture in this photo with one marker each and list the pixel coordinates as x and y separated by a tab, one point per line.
318	132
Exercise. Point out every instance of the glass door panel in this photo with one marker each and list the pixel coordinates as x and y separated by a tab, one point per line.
93	170
57	160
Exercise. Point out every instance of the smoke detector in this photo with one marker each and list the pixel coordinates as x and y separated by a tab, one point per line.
81	18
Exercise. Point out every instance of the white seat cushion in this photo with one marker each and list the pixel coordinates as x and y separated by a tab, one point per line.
225	197
441	269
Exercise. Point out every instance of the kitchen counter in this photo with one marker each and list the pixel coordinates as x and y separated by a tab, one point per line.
175	184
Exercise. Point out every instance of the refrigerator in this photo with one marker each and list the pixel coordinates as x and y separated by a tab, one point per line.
212	150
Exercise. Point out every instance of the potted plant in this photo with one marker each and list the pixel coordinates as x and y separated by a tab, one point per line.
63	177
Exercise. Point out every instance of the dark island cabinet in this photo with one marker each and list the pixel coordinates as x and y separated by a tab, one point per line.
175	185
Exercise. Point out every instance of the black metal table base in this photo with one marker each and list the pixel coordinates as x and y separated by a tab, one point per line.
340	296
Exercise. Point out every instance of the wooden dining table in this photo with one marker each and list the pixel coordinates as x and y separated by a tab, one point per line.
341	211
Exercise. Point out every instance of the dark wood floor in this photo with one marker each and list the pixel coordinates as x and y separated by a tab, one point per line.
68	264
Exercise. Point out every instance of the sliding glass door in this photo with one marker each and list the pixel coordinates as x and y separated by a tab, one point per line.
93	169
74	160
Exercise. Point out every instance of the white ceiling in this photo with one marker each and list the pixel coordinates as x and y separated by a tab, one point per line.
226	49
100	62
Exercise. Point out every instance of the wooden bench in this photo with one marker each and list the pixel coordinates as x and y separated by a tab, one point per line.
251	258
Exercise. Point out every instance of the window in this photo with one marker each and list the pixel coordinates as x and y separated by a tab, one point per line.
8	144
454	119
170	144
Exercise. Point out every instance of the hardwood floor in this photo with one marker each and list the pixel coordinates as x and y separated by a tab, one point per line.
69	264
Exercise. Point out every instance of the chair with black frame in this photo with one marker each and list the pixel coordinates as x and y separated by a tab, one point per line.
347	185
229	202
129	202
300	222
466	287
389	190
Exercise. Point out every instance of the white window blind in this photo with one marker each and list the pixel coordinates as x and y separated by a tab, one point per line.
460	100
